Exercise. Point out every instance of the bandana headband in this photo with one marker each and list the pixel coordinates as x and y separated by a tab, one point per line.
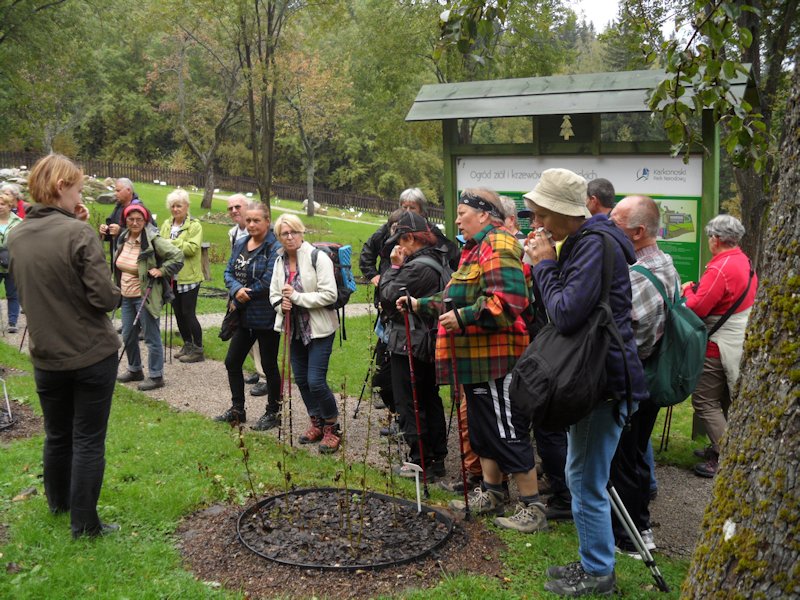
479	203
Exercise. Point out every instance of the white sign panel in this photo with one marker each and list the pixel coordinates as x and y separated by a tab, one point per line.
649	175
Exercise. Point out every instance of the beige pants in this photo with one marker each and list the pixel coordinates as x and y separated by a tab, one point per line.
711	400
257	361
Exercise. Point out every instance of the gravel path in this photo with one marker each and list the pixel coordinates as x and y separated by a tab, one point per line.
203	388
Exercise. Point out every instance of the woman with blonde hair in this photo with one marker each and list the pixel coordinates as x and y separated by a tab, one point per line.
303	289
8	220
63	283
186	234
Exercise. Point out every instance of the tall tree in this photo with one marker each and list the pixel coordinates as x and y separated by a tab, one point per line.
748	546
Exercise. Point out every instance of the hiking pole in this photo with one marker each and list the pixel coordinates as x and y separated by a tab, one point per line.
406	312
289	368
369	370
666	431
633	533
136	319
283	373
8	404
456	392
22	341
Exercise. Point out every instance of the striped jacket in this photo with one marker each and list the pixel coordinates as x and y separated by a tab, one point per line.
490	291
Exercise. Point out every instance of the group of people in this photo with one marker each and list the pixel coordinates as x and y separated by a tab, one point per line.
448	317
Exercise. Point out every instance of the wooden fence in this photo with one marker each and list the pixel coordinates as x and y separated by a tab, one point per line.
147	173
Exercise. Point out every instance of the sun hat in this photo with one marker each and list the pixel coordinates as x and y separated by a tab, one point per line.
561	191
137	207
409	222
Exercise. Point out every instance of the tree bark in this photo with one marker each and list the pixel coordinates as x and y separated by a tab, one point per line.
750	541
310	184
210	179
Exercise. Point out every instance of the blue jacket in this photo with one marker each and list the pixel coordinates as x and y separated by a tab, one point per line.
258	313
570	290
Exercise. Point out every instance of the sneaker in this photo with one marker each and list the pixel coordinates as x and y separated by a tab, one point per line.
183	351
12	329
648	539
331	438
578	582
457	486
269	420
708	468
259	389
232	415
481	502
628	549
251	378
151	383
129	376
558	508
528	518
314	433
194	355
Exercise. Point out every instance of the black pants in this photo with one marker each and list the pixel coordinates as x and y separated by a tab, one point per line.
382	376
76	405
431	413
185	307
552	448
241	342
630	472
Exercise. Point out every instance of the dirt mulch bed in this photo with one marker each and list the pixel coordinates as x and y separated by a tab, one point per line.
210	548
26	422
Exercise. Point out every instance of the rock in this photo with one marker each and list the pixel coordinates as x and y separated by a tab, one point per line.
317	205
107	198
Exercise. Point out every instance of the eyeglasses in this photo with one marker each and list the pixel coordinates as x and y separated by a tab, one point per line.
287	234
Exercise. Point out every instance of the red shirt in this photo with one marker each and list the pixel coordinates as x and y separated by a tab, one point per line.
724	281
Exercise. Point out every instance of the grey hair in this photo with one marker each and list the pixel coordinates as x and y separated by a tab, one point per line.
603	190
414	195
15	190
178	196
126	182
509	207
728	229
644	213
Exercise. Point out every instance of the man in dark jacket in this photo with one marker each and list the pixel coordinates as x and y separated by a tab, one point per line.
570	286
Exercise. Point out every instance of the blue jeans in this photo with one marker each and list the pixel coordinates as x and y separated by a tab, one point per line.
591	445
11	295
76	405
310	370
152	338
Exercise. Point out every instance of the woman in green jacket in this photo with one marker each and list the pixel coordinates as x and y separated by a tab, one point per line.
143	261
186	234
8	220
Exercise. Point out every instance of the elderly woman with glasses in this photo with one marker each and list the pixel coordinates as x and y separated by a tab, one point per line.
186	233
722	298
489	293
144	263
302	291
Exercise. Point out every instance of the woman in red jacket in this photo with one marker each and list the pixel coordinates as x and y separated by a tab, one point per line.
728	282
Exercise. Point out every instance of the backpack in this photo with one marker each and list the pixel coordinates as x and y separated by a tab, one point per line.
675	366
341	257
560	378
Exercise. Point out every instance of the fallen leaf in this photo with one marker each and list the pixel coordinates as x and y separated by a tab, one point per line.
25	494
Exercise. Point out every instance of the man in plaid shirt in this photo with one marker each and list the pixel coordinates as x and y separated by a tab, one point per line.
639	218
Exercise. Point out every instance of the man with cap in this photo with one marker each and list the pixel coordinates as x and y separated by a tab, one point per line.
570	287
600	196
419	268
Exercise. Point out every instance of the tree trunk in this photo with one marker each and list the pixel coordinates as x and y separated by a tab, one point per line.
754	211
210	181
310	184
750	542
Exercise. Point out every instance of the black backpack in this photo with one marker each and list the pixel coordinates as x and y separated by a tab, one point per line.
560	379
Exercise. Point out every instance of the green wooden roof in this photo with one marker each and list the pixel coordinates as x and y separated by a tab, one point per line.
622	91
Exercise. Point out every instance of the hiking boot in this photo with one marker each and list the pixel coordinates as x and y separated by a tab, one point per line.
481	502
704	453
392	430
269	420
563	571
259	389
436	468
314	433
331	438
528	518
194	355
183	351
129	376
104	530
232	415
251	378
578	582
151	383
558	508
708	468
457	486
